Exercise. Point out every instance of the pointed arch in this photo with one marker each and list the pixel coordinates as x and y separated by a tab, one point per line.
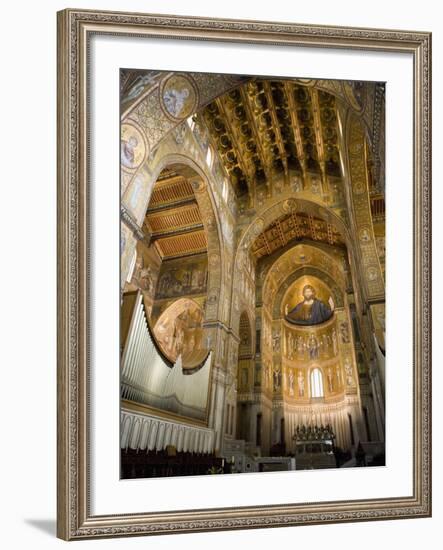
316	385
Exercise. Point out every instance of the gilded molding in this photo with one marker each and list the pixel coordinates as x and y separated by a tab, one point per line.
74	518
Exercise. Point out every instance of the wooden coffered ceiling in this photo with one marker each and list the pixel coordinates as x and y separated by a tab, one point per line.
267	128
173	220
292	227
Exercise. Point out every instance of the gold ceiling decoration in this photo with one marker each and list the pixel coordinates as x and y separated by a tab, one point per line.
267	129
193	242
291	227
169	188
173	220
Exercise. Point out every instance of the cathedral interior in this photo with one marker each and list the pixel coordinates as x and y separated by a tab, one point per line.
252	250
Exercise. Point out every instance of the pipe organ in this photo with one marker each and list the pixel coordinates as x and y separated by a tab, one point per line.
147	379
144	432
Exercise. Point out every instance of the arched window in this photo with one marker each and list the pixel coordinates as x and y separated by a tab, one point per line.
191	123
316	383
131	267
209	157
225	190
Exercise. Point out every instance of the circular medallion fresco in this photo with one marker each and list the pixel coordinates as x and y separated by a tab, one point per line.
214	260
178	97
365	235
301	256
372	273
289	205
133	147
359	187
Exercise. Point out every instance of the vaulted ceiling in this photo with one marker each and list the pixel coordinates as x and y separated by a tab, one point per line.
266	129
173	220
293	227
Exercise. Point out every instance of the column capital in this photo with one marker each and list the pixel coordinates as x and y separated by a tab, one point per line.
130	222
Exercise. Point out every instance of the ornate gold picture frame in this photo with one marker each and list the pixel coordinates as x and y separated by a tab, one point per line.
76	28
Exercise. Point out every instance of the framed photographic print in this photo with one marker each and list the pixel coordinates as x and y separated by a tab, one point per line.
244	274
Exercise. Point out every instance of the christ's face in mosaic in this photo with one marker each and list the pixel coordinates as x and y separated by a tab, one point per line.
308	293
